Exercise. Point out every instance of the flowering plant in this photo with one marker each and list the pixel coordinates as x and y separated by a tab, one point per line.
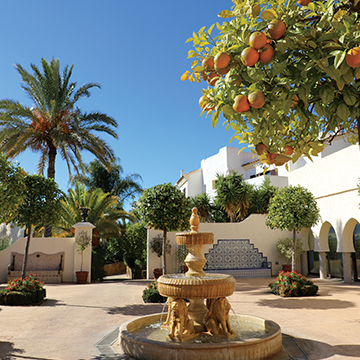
30	284
151	294
82	242
291	283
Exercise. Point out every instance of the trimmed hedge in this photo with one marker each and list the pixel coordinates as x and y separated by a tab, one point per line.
22	298
29	291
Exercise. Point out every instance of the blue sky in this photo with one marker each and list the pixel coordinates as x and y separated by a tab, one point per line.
137	52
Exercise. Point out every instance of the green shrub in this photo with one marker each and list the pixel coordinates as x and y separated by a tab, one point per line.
151	294
97	263
292	283
30	291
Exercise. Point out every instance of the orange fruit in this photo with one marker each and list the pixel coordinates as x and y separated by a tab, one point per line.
353	57
256	99
260	149
266	54
208	63
241	104
276	29
304	2
257	40
213	78
271	157
222	71
203	103
233	79
288	150
249	56
222	60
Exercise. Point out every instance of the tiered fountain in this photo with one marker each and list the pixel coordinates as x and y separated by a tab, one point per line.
199	331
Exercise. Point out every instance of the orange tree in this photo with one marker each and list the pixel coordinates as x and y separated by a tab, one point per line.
164	207
289	81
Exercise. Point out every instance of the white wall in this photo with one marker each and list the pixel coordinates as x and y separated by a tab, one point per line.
278	181
333	182
71	259
252	228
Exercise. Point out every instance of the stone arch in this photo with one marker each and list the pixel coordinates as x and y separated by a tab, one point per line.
322	244
347	244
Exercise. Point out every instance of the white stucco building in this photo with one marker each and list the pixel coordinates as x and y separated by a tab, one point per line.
332	177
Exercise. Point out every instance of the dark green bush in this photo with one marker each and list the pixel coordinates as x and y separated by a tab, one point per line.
30	291
98	254
151	294
292	283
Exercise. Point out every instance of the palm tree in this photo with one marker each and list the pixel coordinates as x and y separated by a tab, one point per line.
97	176
104	212
261	197
203	204
53	123
234	194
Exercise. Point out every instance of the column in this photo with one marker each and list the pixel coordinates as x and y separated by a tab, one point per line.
347	267
322	264
88	228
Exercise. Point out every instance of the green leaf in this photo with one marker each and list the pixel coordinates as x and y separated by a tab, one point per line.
357	73
278	68
340	83
349	98
225	14
348	77
333	73
312	44
339	58
327	95
343	111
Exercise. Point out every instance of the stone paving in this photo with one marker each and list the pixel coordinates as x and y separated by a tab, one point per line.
80	322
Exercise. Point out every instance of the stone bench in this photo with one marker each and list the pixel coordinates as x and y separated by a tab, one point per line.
238	258
48	267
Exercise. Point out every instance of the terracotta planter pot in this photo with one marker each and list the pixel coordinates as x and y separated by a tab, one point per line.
81	277
157	272
286	267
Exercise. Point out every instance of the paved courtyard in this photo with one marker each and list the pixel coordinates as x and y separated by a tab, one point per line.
81	321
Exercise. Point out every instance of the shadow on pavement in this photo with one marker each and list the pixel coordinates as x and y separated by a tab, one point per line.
7	350
315	303
299	348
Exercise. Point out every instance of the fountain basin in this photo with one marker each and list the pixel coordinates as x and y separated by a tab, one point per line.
209	286
257	348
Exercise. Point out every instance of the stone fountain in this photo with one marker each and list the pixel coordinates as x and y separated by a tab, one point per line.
204	329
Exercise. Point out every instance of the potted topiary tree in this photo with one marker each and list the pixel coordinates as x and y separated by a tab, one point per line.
156	246
292	208
284	248
82	241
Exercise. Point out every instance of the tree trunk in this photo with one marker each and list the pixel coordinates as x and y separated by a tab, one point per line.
50	175
164	252
293	262
26	254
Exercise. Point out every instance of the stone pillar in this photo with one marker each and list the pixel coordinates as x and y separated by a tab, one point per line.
88	228
322	265
304	263
347	267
